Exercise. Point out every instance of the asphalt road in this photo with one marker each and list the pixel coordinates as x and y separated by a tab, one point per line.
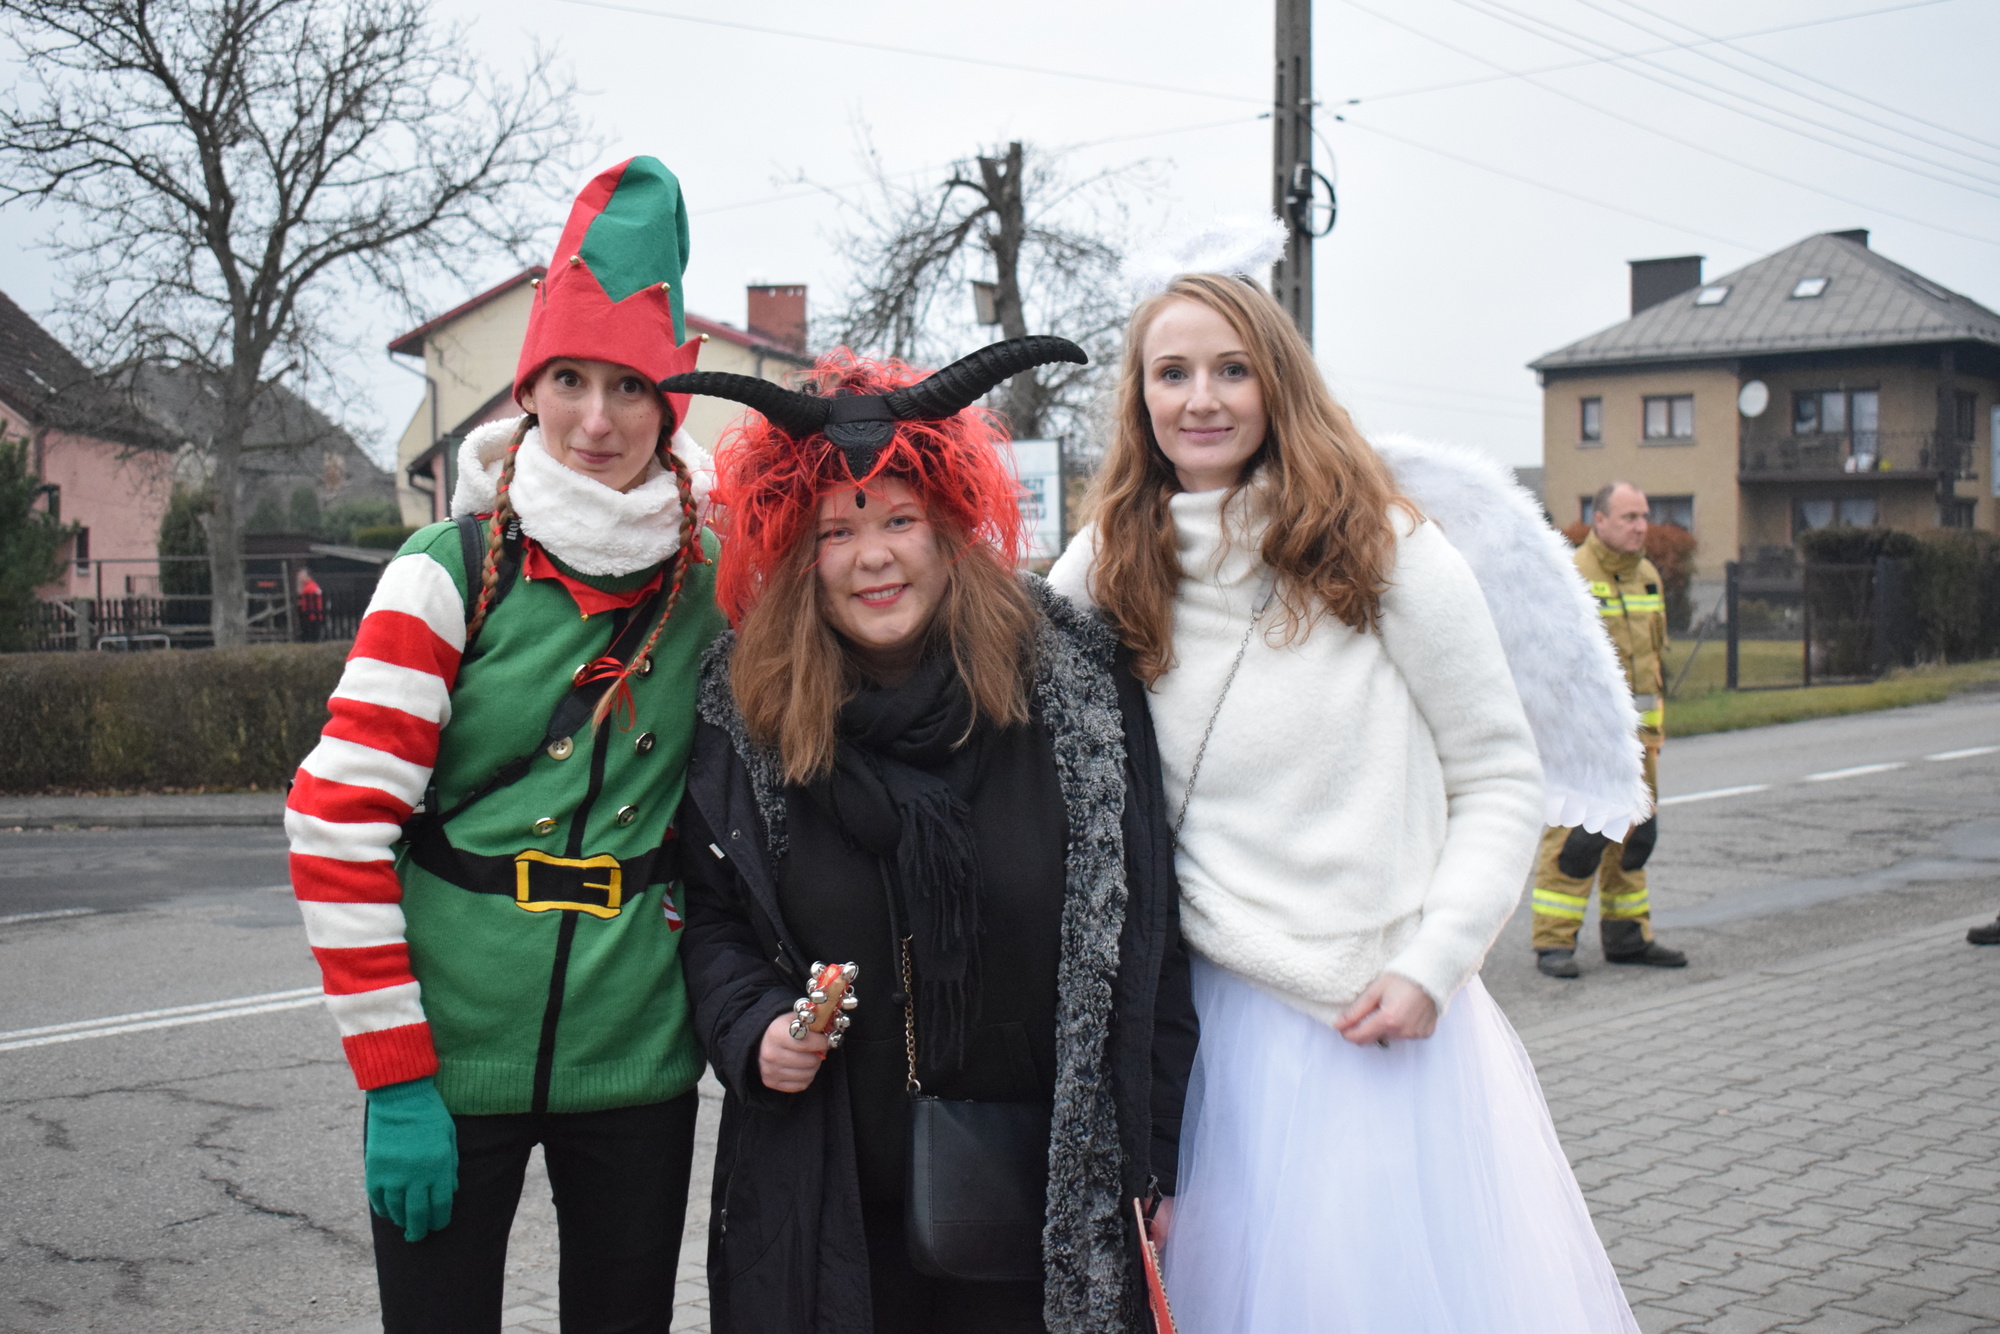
198	1170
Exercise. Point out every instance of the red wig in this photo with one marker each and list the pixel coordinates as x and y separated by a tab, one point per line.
770	483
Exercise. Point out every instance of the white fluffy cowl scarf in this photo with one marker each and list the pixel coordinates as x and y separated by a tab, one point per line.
580	521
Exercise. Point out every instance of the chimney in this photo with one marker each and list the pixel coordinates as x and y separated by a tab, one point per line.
1655	280
1858	235
779	314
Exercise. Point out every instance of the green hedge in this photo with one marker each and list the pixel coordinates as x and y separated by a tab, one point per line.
1957	580
179	719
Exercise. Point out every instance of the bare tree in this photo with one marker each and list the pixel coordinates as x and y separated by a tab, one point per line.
240	172
1048	245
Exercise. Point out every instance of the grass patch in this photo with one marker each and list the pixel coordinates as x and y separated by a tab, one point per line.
1759	662
1717	710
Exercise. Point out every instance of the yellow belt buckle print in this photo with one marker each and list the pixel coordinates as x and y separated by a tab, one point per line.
538	877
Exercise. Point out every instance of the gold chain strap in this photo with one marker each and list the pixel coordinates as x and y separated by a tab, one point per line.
910	1023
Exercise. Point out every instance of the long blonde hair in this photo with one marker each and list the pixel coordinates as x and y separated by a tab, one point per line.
1329	538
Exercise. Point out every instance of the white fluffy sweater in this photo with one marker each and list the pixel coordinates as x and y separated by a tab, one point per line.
1368	802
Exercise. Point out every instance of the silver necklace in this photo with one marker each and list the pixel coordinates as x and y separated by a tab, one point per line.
1194	770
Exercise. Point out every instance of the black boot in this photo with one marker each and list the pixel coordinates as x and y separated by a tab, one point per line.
1985	935
1654	955
1557	963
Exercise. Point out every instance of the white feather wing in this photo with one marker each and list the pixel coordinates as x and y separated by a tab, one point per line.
1572	688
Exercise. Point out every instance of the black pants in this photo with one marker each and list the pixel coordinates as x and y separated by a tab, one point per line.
907	1302
620	1181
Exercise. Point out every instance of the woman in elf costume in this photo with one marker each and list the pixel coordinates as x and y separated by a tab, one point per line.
480	841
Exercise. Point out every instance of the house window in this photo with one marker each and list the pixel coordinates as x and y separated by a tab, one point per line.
1807	288
1590	421
1676	510
82	551
1845	512
1855	414
1955	513
1965	407
1670	417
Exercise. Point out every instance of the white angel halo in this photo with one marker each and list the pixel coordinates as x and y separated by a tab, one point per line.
1241	245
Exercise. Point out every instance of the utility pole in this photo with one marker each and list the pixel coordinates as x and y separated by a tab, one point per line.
1291	162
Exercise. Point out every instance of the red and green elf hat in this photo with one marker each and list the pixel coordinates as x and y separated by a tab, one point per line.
613	290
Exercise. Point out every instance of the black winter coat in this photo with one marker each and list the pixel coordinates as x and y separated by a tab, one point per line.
786	1254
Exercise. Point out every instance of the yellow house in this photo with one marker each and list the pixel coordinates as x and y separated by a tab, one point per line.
469	354
1823	385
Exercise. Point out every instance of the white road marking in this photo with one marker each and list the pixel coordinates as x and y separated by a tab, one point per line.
172	1017
1855	772
1965	754
1713	793
45	916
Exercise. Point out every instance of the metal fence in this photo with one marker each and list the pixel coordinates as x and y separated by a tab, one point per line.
1804	624
164	602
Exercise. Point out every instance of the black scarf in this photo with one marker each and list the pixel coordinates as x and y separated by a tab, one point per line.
887	793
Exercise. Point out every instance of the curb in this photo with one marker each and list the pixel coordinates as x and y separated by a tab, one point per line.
123	820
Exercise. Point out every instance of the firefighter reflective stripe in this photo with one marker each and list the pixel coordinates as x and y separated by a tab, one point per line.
1608	601
1555	903
1652	718
1618	905
1645	604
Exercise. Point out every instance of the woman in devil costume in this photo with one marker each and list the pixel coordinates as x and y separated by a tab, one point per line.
913	758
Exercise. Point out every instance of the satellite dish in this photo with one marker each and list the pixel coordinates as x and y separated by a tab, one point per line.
1753	399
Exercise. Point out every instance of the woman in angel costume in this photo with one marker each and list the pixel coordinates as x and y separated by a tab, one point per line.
1348	650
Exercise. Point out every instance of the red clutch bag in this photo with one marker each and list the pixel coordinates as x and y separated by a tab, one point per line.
1156	1291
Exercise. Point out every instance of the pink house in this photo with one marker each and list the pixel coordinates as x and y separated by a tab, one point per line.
106	467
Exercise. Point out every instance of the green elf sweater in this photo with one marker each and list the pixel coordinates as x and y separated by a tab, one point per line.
537	966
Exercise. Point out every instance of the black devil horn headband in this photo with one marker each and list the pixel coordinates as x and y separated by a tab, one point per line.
861	424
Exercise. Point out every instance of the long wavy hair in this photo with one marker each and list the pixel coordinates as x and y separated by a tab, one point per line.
1329	536
791	671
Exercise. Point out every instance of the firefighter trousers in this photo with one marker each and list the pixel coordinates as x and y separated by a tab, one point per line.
1572	860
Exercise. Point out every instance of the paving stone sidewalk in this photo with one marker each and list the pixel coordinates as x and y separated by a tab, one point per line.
1811	1148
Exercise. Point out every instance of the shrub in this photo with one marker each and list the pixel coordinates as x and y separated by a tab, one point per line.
31	542
1957	577
184	718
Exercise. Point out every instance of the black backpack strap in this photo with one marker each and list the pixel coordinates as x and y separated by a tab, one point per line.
472	551
571	714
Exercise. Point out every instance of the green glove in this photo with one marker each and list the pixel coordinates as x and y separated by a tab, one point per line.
411	1157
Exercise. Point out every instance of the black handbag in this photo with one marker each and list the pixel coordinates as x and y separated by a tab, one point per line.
978	1180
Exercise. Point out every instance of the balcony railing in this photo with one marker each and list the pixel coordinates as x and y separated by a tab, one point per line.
1857	454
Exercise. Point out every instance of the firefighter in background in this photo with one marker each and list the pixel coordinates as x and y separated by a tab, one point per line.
1630	598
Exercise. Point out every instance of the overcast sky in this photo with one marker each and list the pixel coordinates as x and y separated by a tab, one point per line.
1486	210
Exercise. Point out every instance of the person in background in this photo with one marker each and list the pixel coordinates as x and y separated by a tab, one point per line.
312	607
504	965
1631	600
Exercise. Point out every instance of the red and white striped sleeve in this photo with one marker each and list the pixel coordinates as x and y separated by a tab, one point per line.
348	804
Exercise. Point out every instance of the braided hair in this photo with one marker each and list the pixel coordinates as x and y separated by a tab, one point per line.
503	519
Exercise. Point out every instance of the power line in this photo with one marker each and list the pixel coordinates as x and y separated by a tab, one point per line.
1728	44
1651	51
857	44
1759	169
1845	143
1553	189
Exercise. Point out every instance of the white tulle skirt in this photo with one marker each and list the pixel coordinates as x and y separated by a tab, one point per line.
1331	1188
